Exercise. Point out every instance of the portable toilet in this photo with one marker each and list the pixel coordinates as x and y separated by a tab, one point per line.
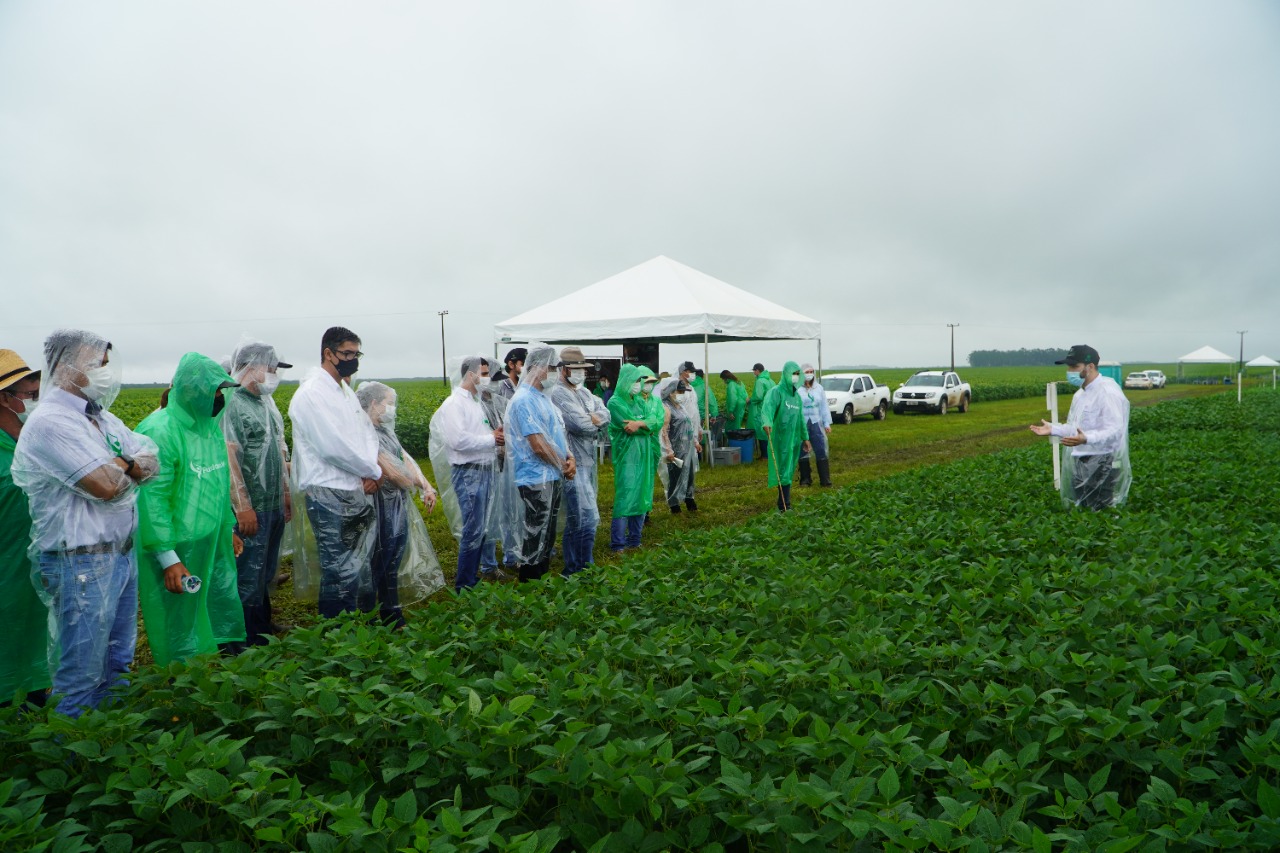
1112	369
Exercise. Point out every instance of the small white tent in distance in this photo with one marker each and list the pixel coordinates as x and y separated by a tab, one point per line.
1204	355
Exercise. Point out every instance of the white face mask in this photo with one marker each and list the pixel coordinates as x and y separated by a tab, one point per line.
635	389
100	382
28	406
482	383
795	379
577	377
808	377
269	384
389	417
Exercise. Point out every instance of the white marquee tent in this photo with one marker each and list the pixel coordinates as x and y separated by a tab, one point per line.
1262	361
1204	355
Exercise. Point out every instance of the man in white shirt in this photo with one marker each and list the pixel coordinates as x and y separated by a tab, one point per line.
471	445
1096	472
335	453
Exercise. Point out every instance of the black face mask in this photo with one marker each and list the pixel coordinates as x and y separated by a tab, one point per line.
348	368
218	403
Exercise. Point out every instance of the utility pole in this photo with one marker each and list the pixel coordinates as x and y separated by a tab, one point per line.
444	362
952	327
1242	333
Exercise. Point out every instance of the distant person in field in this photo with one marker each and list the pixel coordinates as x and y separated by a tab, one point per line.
186	521
336	465
782	420
80	467
543	461
1095	466
633	459
585	416
254	431
515	368
759	391
468	442
24	666
817	419
735	399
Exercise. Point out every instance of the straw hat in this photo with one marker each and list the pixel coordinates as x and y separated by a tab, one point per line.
13	369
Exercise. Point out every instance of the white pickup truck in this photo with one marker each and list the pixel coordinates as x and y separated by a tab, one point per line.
932	391
853	394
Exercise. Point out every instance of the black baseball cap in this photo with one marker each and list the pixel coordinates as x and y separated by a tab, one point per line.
1079	354
517	354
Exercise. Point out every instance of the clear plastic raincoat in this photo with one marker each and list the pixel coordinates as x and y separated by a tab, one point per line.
784	414
537	447
679	442
632	453
405	567
584	416
69	460
1097	474
185	513
764	383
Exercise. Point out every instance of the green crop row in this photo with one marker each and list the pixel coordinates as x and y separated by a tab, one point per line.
944	659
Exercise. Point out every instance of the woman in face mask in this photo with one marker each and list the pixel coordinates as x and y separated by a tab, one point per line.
817	418
782	420
632	438
680	447
393	501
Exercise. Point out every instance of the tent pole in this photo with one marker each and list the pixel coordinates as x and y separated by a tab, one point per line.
706	400
819	358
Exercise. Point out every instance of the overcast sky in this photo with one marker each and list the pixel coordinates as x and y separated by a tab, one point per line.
175	175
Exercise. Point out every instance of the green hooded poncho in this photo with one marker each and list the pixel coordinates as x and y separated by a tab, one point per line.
783	412
187	508
735	403
654	416
24	665
632	453
759	391
699	386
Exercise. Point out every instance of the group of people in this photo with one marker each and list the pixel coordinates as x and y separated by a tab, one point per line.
186	514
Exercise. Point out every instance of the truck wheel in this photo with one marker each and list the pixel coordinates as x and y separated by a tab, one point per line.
964	404
847	417
942	406
881	410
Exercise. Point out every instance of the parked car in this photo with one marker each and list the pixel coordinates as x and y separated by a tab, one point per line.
852	394
1138	381
932	391
1158	379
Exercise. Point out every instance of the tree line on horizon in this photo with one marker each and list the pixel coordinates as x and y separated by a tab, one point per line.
1014	357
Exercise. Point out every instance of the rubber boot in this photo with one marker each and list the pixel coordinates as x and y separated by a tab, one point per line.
691	504
675	508
824	472
531	572
806	473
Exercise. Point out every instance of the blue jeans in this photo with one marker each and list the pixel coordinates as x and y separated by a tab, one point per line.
818	438
342	522
95	603
393	535
472	486
489	555
624	532
581	520
255	567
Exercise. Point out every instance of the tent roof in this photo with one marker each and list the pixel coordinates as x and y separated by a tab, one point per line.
659	300
1263	361
1207	355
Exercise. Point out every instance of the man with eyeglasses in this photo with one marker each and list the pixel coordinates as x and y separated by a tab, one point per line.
24	666
335	458
80	467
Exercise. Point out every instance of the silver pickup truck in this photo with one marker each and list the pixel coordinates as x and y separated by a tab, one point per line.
932	391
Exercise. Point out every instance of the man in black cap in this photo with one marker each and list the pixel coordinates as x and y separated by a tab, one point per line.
515	366
1096	473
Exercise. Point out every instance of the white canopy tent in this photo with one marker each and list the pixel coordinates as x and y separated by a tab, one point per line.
1204	355
1262	361
659	301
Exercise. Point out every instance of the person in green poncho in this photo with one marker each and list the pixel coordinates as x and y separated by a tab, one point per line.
782	420
632	438
24	634
759	390
185	521
735	399
699	386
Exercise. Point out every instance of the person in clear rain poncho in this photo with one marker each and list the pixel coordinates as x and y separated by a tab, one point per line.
539	450
464	456
335	465
817	420
79	466
782	420
680	447
631	439
584	416
186	521
1096	473
260	494
24	665
401	479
